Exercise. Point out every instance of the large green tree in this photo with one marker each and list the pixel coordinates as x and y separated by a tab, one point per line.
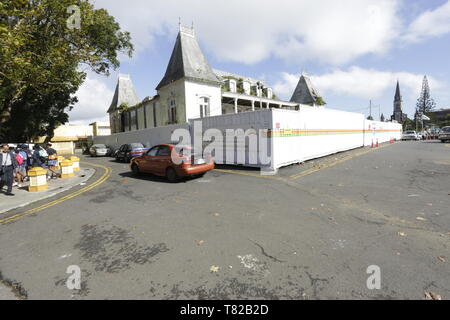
45	51
425	103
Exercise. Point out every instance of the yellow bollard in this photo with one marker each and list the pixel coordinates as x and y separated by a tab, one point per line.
38	179
67	169
60	159
76	163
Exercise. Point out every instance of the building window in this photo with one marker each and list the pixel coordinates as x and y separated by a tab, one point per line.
172	111
204	107
155	124
137	119
145	116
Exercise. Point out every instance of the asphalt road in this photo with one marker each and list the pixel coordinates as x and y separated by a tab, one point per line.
309	233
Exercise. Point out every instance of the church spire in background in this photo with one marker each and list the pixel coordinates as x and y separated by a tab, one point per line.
398	96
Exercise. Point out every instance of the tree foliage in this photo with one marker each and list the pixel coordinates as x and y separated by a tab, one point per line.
425	103
319	101
43	61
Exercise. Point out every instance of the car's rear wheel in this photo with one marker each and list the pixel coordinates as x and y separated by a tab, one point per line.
135	169
171	175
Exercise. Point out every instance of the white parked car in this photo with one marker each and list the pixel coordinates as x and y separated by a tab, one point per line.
410	135
99	150
444	134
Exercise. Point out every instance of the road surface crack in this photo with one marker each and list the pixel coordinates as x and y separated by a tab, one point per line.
264	253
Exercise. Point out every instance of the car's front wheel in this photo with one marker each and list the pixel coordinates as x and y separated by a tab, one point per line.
171	175
135	169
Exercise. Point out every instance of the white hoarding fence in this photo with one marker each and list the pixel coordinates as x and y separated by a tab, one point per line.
269	138
148	137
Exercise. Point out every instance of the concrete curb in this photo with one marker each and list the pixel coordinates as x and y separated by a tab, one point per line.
88	172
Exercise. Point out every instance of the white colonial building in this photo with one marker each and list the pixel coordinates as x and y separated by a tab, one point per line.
191	89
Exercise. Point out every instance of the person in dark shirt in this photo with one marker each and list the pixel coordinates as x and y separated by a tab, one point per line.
8	165
52	161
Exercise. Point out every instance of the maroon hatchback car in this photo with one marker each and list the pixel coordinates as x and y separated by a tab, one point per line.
173	162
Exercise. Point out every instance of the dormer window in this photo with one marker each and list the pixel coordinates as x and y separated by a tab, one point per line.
204	107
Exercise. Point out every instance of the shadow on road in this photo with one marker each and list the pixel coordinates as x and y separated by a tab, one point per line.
153	178
236	167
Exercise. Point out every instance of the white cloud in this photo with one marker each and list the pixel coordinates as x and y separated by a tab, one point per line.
357	82
432	23
94	97
250	31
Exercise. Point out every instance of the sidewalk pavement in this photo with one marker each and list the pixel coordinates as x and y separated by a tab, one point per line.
23	198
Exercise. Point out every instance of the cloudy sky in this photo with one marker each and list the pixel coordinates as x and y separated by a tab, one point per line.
354	50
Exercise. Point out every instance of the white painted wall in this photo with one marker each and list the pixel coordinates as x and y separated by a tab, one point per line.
257	120
148	137
194	91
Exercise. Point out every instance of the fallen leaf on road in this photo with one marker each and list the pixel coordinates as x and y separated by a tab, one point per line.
421	219
216	214
214	269
402	234
200	242
441	258
432	296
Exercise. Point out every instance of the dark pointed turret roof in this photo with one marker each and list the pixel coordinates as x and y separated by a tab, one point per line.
124	93
187	60
398	96
305	93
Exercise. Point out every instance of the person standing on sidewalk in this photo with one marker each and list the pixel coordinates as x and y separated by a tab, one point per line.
52	161
21	171
8	164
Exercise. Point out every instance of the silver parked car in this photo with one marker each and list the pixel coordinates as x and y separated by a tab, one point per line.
99	150
444	134
410	135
